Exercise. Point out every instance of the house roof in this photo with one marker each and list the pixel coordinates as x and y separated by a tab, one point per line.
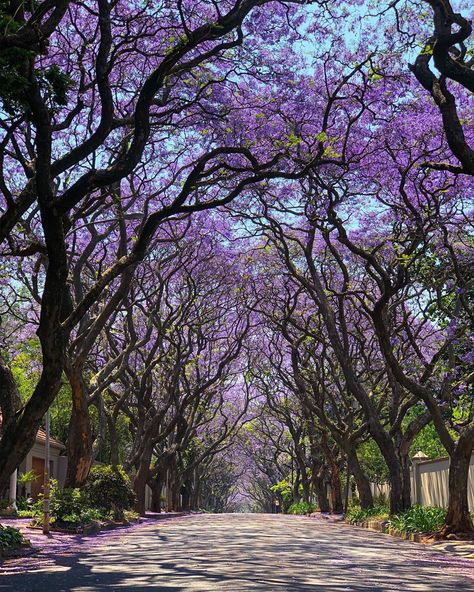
41	438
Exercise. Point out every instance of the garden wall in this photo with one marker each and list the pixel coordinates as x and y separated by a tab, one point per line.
429	483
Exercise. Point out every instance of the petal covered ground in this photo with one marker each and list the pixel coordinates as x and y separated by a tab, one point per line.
237	552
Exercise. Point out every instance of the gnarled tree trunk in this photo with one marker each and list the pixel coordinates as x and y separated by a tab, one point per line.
141	479
362	482
458	518
79	443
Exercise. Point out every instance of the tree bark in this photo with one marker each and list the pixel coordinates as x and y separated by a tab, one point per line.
156	486
458	518
336	490
362	482
79	443
141	479
319	484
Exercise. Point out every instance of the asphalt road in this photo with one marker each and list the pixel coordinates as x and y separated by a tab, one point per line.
242	552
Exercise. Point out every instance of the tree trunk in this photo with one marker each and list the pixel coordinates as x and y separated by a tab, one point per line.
79	443
406	482
156	486
141	480
458	518
113	442
196	495
19	434
9	404
176	495
361	480
173	486
336	490
296	487
319	484
185	497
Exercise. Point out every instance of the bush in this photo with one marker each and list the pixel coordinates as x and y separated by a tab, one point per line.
302	508
131	516
7	508
381	500
108	488
418	519
67	506
65	503
24	503
27	513
356	514
10	537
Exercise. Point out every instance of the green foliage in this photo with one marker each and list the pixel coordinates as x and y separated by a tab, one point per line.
372	462
302	508
26	478
27	513
67	506
59	84
24	503
13	79
356	514
108	488
65	503
6	508
284	490
427	440
131	515
10	537
381	500
418	519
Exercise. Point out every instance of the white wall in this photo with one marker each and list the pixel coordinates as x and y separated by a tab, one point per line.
429	483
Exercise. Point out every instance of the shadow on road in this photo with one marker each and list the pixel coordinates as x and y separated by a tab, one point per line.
251	552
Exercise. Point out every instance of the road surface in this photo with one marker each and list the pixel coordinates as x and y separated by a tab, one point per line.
239	552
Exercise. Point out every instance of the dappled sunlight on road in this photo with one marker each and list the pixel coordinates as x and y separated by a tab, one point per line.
252	552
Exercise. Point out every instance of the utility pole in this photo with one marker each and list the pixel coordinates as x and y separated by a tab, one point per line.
46	478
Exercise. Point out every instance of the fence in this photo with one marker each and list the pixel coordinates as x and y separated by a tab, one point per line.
429	483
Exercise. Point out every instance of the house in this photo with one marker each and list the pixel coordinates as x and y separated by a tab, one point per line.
35	461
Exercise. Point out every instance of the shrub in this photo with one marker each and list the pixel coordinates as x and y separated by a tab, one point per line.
131	515
27	513
418	519
109	489
90	514
65	503
10	537
7	508
356	514
25	478
24	503
381	500
302	508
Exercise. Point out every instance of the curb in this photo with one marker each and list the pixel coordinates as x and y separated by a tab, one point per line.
382	526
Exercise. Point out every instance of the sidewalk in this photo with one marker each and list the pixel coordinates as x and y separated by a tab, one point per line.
457	548
65	545
461	549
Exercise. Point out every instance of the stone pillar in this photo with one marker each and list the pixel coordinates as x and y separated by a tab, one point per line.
13	480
